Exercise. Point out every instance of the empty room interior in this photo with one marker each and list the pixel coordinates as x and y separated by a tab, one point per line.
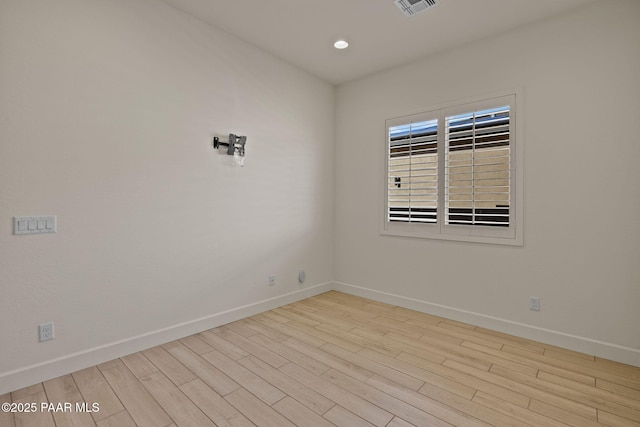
210	215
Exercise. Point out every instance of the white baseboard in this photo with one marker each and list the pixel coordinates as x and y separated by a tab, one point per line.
605	350
23	377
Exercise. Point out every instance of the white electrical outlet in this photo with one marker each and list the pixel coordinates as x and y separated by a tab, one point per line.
272	279
534	303
45	331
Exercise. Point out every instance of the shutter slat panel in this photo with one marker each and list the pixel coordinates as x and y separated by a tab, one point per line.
477	168
412	191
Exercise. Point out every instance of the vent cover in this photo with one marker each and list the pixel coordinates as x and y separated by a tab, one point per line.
413	7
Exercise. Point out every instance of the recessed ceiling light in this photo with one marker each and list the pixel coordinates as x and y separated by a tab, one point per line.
341	44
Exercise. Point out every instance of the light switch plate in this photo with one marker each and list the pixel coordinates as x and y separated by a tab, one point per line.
35	224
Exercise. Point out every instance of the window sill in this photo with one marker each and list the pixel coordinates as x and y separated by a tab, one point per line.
506	241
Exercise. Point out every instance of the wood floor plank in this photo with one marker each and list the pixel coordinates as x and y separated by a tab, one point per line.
449	351
568	355
300	415
243	376
289	331
295	316
403	347
505	362
240	329
532	360
416	316
196	344
375	342
344	418
256	410
478	411
456	324
610	419
445	330
618	389
562	414
591	390
208	373
380	369
264	330
211	403
325	336
385	401
427	371
120	419
27	391
398	422
430	333
249	346
63	393
354	312
336	310
222	345
433	403
303	394
620	369
144	410
170	366
350	401
323	319
457	381
139	364
179	407
291	354
513	411
359	340
423	328
510	340
275	317
389	325
94	388
330	360
595	398
594	370
539	391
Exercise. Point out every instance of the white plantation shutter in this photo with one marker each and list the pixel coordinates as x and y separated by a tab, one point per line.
450	174
412	185
477	168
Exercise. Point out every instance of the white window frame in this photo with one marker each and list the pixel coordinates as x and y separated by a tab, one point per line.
511	235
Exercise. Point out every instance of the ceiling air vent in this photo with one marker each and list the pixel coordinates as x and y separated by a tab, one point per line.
413	7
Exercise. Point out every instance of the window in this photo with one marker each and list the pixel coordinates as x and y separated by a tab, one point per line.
451	173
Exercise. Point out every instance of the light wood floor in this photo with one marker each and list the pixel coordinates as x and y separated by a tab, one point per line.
336	359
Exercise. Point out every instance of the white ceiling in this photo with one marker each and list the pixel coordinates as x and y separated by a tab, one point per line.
302	32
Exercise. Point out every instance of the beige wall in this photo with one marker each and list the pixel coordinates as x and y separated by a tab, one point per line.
579	75
107	109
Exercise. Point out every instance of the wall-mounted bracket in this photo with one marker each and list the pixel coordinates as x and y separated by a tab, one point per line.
235	143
